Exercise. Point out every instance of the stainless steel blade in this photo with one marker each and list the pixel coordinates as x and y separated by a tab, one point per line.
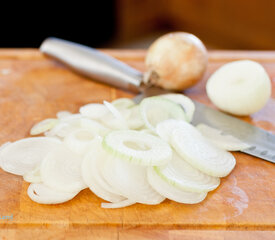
262	142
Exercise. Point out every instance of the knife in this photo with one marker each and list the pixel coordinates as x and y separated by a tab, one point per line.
103	68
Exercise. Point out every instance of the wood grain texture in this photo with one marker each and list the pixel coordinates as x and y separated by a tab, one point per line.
33	87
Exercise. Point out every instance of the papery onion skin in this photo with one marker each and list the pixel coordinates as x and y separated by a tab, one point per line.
176	61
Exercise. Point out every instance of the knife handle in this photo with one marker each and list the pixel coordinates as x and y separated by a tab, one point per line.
93	63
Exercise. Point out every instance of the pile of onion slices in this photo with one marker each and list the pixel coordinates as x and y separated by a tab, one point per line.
125	153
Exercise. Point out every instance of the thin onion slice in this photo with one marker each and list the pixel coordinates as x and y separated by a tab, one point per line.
185	102
164	129
33	176
93	110
2	147
79	141
200	153
63	114
123	103
157	109
43	126
172	192
118	121
124	203
226	142
61	170
135	121
137	147
70	124
182	175
42	194
92	177
24	155
130	180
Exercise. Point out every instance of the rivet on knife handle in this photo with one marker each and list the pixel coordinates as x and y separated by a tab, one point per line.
93	64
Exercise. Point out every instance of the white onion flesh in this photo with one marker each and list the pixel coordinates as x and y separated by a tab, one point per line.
44	195
130	180
116	120
73	123
63	114
185	102
165	128
2	147
171	192
33	176
134	120
182	175
80	141
94	110
124	203
226	142
137	147
200	153
157	109
123	103
24	155
43	126
61	170
92	176
240	87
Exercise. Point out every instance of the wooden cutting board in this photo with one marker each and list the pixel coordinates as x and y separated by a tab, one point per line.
33	87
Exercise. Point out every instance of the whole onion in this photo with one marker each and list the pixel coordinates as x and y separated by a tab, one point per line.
175	61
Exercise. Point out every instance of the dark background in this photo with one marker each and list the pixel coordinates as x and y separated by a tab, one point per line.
220	24
91	23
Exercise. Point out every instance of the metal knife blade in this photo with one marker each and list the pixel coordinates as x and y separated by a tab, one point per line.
97	65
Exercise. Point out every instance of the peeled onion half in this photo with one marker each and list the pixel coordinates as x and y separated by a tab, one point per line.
176	61
240	87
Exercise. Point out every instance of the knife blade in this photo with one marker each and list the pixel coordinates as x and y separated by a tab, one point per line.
103	68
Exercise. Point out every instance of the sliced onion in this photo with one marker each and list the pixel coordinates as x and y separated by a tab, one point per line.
186	103
130	180
92	176
24	155
43	126
157	109
137	147
61	170
65	126
63	114
44	195
93	110
33	176
79	141
68	125
60	130
226	142
182	175
134	120
200	153
94	126
123	103
124	203
116	120
172	192
164	129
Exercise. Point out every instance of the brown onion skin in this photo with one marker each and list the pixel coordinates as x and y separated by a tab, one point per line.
175	61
